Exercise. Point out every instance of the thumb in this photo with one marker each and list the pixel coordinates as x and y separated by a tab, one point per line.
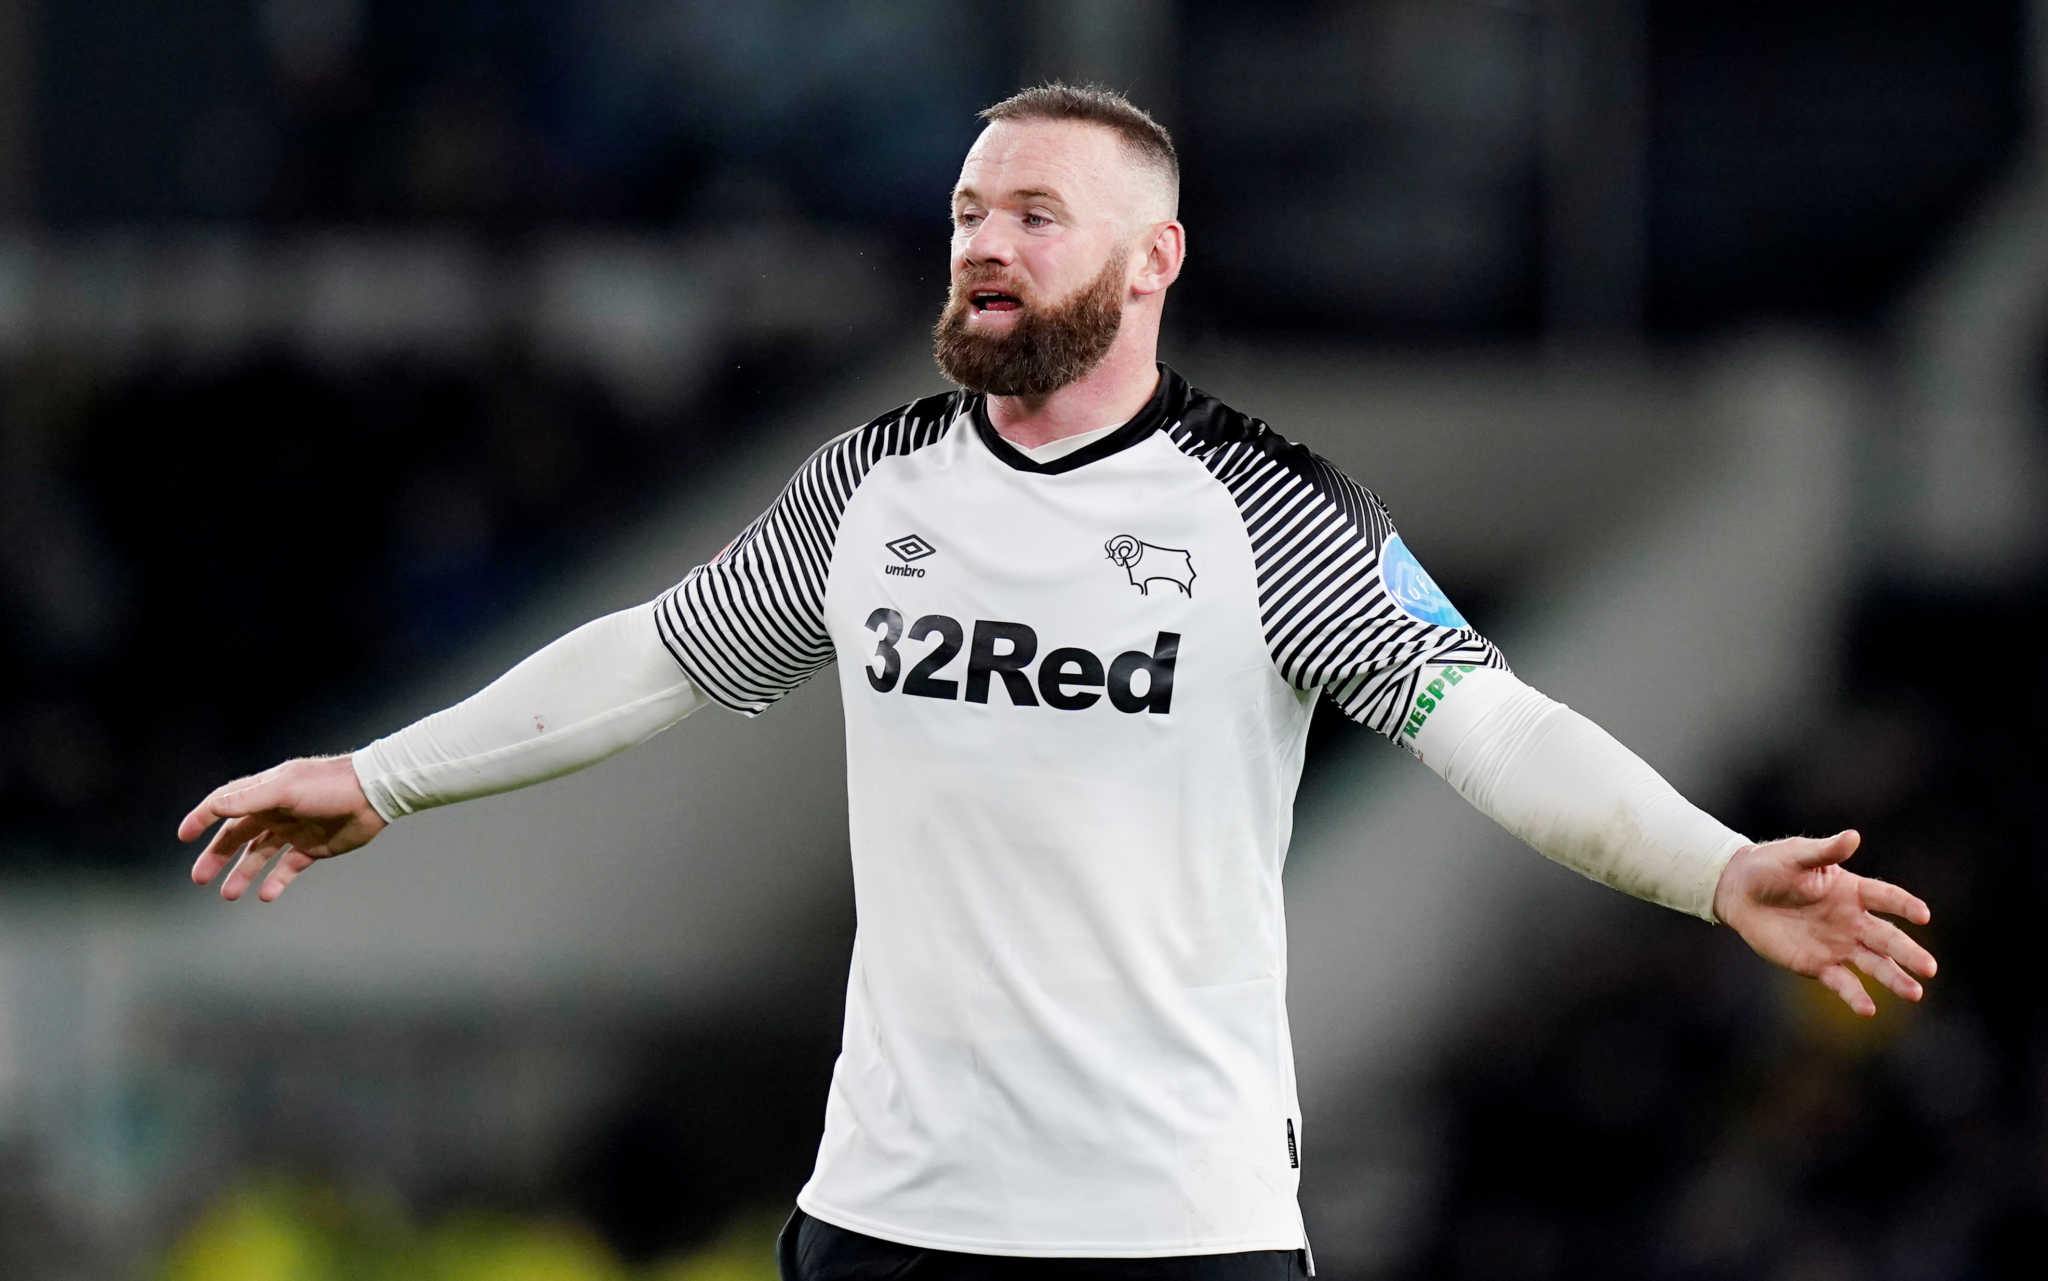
1833	849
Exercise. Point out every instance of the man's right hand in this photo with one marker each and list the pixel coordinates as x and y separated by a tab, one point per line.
308	809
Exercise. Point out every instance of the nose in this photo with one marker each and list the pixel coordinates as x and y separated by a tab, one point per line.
988	243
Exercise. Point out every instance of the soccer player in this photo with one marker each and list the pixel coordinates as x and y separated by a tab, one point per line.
1081	611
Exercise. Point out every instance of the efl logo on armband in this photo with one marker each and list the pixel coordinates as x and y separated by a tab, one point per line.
1409	585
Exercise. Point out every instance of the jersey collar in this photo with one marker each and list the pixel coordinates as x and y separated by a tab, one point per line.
1167	400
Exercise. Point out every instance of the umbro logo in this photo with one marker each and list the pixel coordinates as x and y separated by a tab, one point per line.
1147	563
908	548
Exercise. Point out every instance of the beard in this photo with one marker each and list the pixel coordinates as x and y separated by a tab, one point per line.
1047	348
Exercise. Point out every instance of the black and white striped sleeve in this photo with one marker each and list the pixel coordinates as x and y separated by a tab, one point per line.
1346	608
749	625
1367	623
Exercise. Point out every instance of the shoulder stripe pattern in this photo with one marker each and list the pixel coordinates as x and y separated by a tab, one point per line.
749	625
1316	536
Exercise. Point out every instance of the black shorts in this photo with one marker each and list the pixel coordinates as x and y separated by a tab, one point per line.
812	1250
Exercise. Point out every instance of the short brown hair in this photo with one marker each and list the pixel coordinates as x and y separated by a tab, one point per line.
1097	105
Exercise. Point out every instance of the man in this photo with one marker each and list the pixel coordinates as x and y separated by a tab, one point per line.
1081	611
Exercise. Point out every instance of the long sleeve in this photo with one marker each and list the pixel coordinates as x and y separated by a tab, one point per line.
1568	788
591	694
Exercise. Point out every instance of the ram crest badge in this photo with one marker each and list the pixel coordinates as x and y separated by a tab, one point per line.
1148	563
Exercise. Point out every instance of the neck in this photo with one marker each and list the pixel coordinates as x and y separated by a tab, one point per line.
1113	392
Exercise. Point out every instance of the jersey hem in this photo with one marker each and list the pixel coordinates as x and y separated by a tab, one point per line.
1035	1249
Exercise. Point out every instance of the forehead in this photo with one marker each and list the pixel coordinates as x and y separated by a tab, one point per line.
1082	163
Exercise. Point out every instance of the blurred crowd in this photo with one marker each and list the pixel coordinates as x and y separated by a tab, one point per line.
497	117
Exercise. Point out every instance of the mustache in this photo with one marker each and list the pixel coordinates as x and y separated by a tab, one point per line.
968	281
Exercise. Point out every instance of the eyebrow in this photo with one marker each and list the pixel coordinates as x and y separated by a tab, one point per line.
1024	193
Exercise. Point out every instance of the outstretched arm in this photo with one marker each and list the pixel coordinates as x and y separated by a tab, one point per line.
743	629
595	692
1565	786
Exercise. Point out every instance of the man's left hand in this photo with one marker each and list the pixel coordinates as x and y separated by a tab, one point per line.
1795	904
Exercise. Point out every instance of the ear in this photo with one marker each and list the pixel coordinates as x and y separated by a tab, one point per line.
1160	265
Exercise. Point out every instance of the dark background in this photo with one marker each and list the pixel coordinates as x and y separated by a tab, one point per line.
319	363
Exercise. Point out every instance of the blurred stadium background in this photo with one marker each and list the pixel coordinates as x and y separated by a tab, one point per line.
350	349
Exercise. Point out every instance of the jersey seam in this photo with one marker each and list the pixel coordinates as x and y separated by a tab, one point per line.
852	453
1325	526
1251	549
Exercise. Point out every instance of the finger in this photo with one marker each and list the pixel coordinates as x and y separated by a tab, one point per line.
226	844
198	820
1837	979
1886	939
204	813
287	870
1832	850
1886	971
250	865
1883	896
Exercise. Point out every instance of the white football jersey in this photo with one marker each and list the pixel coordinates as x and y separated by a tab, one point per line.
1076	697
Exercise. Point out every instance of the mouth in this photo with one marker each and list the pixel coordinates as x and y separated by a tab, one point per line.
994	300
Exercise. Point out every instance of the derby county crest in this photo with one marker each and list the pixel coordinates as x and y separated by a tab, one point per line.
1147	563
